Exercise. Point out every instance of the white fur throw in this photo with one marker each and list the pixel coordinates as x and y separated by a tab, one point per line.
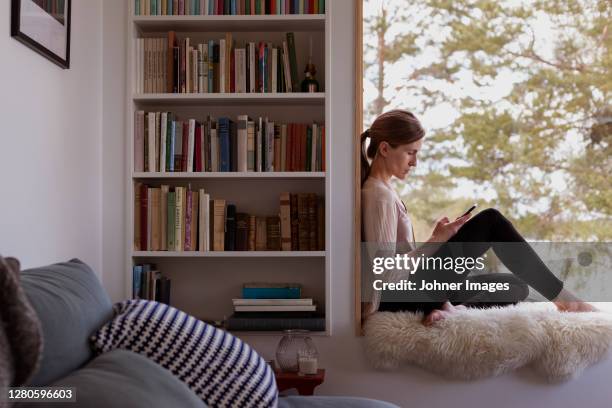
478	343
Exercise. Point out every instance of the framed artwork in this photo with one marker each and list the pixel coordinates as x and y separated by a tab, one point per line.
44	26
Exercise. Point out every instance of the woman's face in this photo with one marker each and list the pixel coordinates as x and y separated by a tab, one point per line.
401	159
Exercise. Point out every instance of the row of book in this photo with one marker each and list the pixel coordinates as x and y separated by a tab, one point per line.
179	65
226	7
164	143
180	219
149	283
274	306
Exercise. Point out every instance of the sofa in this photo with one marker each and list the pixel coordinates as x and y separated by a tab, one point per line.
71	305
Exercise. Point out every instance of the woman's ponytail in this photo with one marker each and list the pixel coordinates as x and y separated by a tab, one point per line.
365	165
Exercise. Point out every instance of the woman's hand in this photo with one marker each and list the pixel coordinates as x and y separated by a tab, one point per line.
445	229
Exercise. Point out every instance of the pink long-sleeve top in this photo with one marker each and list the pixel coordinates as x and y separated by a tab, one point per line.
386	231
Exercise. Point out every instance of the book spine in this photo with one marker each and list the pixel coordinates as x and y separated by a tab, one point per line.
136	281
163	210
191	146
252	233
242	143
155	219
139	141
198	159
285	220
271	293
137	204
293	62
163	134
224	144
178	218
230	228
171	220
195	202
250	146
219	225
188	216
233	146
266	324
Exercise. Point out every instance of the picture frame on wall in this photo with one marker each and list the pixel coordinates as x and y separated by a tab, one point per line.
44	26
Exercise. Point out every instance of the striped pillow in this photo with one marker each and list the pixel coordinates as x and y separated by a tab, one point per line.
221	369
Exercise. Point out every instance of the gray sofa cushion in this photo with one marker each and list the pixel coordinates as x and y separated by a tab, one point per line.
331	402
71	305
125	379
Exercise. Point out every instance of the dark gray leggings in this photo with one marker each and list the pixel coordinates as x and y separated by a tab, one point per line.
487	229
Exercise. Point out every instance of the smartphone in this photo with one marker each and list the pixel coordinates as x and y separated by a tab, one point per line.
472	208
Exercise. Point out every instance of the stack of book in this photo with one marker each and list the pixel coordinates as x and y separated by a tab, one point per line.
149	283
164	143
179	65
270	306
226	7
180	219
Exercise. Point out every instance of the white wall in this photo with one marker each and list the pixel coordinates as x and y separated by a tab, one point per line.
341	354
114	147
50	160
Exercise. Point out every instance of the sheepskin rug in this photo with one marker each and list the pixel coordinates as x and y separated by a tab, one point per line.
477	343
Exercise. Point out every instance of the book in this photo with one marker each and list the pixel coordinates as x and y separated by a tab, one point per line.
218	213
224	144
295	84
294	222
204	218
164	290
195	205
165	190
273	241
171	211
243	144
230	228
179	234
233	137
303	222
272	302
252	233
242	232
261	234
137	219
275	308
136	281
285	221
267	323
139	141
271	291
155	212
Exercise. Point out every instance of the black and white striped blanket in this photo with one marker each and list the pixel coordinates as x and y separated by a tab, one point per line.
220	368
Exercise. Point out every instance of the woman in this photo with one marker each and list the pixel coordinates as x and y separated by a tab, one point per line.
395	139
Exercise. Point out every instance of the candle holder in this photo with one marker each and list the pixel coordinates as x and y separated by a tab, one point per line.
294	345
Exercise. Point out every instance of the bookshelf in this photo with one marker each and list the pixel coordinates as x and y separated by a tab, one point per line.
203	283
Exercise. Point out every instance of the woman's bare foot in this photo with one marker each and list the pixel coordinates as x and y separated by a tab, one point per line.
440	314
567	302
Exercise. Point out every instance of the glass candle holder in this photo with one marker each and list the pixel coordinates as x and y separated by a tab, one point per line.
294	343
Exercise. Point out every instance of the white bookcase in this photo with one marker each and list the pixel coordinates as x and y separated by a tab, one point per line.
203	283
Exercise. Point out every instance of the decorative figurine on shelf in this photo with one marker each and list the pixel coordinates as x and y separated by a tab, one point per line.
310	84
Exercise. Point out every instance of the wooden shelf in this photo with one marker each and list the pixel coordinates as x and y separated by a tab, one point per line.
289	175
228	254
290	22
296	98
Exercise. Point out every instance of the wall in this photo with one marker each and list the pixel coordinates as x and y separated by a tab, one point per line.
114	154
342	354
50	162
